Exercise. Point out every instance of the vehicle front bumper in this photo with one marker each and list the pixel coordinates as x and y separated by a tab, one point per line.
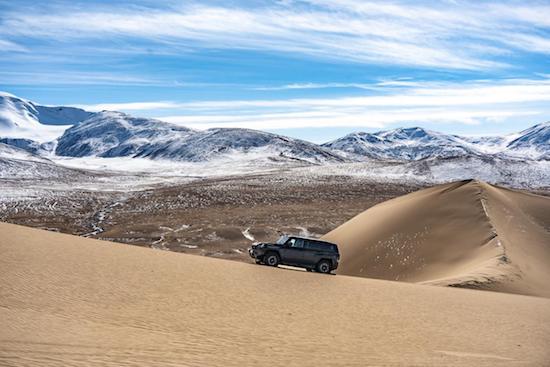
256	253
252	252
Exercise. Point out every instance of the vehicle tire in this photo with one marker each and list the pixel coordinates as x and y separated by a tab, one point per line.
323	266
271	259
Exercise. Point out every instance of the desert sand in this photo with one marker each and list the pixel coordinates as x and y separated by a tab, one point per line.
72	301
467	234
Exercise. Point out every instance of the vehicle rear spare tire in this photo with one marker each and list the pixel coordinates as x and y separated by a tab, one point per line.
323	266
271	259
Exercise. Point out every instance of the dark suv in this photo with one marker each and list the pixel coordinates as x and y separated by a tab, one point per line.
297	251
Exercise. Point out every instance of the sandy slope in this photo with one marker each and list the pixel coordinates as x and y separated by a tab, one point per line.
73	301
466	233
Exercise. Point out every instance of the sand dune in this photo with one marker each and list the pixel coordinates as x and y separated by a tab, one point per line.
71	301
468	234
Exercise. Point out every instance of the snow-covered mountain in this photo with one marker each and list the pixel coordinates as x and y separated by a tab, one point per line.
411	144
29	145
73	132
532	143
115	134
20	118
402	144
11	152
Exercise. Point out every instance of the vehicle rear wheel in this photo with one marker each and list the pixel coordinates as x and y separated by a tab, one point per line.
271	259
323	266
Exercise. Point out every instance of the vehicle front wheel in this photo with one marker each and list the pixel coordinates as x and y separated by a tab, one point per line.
271	259
323	267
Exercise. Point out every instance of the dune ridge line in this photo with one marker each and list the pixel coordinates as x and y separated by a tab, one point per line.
466	234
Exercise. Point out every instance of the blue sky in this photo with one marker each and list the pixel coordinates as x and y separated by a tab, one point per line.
313	69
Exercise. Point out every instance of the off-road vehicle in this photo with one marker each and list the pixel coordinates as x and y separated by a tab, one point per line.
307	253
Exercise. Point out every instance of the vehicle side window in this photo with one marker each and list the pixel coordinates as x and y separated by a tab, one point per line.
317	246
298	243
310	245
325	247
291	242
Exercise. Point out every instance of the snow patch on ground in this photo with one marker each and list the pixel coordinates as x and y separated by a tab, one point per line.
303	232
236	163
519	174
247	235
41	133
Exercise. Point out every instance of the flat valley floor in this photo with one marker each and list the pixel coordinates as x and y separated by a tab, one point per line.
217	217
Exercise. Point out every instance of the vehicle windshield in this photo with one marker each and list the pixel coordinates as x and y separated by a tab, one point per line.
282	240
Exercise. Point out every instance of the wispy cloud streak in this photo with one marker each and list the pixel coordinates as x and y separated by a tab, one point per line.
448	35
8	46
465	103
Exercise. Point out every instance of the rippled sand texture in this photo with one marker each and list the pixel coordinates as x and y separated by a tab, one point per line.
71	301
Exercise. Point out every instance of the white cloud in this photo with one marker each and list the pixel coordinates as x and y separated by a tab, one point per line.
480	94
130	106
464	35
375	119
318	86
79	78
466	103
420	95
7	46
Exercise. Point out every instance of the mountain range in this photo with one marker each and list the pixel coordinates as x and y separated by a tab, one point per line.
23	119
416	143
115	134
72	132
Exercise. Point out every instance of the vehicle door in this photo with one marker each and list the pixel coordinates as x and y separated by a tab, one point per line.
293	252
313	253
